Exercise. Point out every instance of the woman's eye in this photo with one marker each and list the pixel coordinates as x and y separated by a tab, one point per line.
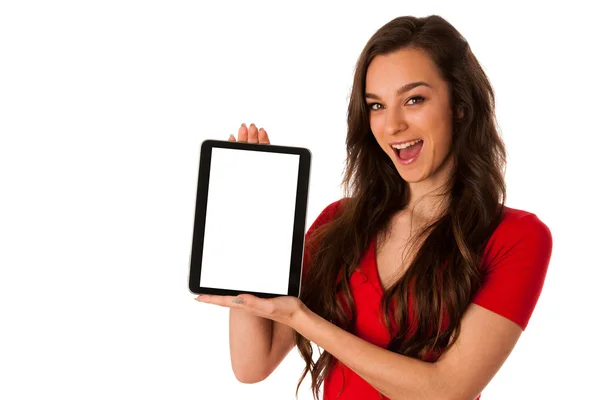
420	98
374	106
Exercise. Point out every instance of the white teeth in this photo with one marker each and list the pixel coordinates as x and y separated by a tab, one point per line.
405	145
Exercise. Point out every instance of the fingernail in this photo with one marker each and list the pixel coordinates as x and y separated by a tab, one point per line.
231	136
237	300
243	125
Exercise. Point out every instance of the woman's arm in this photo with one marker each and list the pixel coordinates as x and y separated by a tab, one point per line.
257	345
485	341
461	373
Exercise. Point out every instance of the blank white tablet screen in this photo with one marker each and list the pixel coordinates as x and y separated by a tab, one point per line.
249	221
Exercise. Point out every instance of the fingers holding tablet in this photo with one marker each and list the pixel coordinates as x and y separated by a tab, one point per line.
251	135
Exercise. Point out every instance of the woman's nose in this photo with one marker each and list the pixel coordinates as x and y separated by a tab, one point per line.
395	121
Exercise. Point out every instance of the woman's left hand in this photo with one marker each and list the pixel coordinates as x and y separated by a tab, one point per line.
282	309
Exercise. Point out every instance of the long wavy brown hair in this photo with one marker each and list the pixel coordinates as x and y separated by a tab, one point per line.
374	192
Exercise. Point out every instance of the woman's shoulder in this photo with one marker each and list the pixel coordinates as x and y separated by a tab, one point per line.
327	214
520	230
334	206
516	262
331	210
515	220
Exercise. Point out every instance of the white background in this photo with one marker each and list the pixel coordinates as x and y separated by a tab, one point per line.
103	106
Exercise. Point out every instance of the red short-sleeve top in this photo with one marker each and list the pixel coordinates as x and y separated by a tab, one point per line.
517	257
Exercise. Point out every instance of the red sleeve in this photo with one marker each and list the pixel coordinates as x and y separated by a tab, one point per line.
326	215
520	253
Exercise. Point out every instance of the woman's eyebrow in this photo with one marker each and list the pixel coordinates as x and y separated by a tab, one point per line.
400	91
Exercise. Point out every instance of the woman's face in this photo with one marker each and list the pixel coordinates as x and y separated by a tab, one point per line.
408	100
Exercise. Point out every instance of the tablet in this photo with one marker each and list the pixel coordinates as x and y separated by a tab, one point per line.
249	221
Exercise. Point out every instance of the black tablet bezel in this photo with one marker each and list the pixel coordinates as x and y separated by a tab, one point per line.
195	267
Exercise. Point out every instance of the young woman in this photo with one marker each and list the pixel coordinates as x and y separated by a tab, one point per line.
418	283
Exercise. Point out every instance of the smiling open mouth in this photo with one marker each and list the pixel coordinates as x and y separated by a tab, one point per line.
408	153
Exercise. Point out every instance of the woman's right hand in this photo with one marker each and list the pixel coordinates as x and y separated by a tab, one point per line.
251	135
